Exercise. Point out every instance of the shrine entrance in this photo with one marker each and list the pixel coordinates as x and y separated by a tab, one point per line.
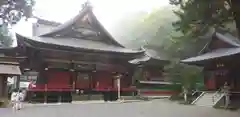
221	76
234	80
214	80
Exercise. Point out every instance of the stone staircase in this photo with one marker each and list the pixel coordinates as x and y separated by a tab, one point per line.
209	99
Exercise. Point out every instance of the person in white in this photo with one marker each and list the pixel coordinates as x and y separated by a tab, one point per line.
15	99
185	92
21	97
226	90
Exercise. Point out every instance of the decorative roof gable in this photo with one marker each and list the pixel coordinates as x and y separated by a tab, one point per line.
83	26
221	45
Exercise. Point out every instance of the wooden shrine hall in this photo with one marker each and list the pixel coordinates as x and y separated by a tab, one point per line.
76	55
151	77
220	61
152	65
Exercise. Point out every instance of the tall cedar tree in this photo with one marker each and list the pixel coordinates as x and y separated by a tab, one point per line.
197	16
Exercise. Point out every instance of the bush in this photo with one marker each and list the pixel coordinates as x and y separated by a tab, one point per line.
187	76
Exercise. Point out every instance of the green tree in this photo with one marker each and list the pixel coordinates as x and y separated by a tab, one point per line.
196	17
5	37
155	31
11	11
187	75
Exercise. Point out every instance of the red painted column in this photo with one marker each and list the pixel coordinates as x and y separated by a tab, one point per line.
211	83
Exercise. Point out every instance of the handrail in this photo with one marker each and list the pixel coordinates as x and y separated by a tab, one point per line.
198	97
235	92
216	94
195	92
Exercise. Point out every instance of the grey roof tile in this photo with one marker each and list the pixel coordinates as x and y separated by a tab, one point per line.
228	38
79	43
87	10
150	55
223	52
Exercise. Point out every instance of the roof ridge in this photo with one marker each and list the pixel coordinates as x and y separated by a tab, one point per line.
46	21
58	28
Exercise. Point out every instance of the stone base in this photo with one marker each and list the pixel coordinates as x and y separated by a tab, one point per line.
4	103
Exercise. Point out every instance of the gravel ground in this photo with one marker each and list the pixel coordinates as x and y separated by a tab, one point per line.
156	108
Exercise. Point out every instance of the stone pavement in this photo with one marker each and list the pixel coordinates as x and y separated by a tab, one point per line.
80	102
154	108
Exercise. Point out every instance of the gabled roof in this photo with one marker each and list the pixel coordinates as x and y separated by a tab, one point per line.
224	52
84	24
74	43
83	31
156	55
225	37
228	38
217	53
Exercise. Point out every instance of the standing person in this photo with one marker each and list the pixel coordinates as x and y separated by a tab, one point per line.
14	99
185	92
226	90
21	99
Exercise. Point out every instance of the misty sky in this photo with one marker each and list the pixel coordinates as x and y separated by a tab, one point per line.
107	11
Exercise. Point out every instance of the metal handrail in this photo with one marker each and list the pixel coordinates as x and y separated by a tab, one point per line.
234	92
216	94
195	92
198	97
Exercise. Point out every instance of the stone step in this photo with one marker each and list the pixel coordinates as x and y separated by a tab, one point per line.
86	97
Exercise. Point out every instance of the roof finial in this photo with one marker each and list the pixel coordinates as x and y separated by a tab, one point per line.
87	4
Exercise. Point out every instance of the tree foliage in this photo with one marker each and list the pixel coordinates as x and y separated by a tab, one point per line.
196	17
177	31
11	11
155	31
187	75
5	37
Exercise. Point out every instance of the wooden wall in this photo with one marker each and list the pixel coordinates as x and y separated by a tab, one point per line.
3	86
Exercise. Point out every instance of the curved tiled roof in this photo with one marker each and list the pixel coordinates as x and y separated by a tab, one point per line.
78	44
151	55
218	53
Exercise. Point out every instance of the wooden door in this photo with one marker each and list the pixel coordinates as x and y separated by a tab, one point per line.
59	79
103	80
83	80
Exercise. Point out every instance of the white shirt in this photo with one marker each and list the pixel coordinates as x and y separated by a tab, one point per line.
14	96
21	96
